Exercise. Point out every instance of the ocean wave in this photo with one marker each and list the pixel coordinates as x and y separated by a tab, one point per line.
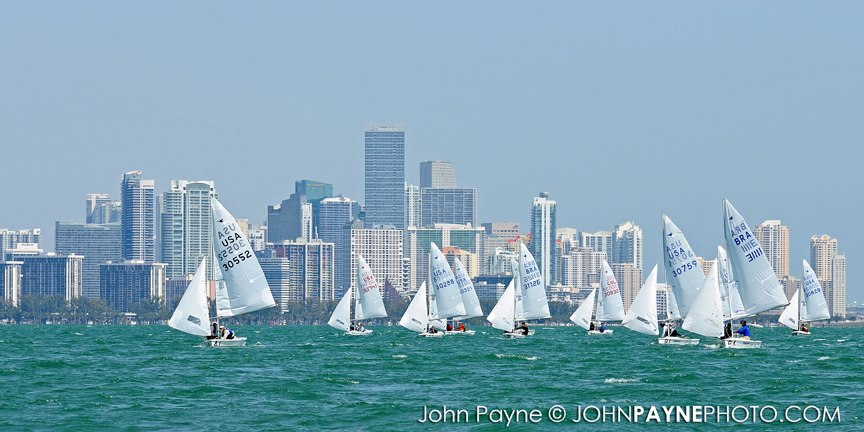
620	380
823	358
516	356
400	356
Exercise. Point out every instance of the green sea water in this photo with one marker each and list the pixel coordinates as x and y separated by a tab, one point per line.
294	378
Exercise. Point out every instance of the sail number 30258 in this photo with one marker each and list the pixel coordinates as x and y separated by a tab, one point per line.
243	256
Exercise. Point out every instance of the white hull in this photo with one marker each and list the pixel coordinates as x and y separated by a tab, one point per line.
598	332
464	333
514	335
432	335
673	340
802	333
236	342
358	333
740	343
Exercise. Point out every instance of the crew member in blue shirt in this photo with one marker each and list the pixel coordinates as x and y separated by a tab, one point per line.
744	331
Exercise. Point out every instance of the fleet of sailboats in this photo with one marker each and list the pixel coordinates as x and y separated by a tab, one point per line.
739	283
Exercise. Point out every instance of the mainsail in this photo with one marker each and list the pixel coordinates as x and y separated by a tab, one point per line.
684	274
447	296
814	297
369	303
610	306
245	288
758	285
469	295
534	302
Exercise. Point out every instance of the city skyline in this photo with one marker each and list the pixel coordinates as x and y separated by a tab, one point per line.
614	128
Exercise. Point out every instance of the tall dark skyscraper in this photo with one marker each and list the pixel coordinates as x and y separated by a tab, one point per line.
137	220
385	177
287	220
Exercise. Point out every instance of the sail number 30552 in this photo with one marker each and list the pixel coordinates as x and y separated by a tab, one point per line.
237	259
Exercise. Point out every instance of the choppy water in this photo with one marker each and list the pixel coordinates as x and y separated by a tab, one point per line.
76	378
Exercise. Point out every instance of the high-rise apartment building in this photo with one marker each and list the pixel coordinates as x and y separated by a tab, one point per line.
466	238
10	239
137	220
125	285
629	278
830	268
381	247
385	177
600	241
335	215
101	209
627	244
299	272
297	217
543	236
51	275
10	282
97	243
187	227
774	238
437	174
412	206
448	206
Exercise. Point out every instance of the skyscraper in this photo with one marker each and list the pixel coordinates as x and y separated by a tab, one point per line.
297	216
94	206
187	227
381	247
10	282
412	206
627	244
830	269
335	215
51	275
543	236
137	202
437	174
9	239
600	241
127	284
98	243
629	278
448	206
466	238
774	238
385	177
299	271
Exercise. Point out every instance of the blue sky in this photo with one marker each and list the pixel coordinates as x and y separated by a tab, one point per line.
621	110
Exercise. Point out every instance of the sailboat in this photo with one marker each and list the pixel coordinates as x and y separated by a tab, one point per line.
757	283
192	314
416	317
684	276
469	298
706	315
503	315
368	303
242	288
642	315
807	304
610	307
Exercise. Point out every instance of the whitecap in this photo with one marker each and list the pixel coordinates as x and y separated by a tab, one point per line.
620	380
823	358
400	356
795	361
78	334
514	356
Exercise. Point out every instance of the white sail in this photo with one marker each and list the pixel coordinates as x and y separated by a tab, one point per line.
416	317
582	315
246	289
439	323
642	316
728	287
706	311
789	317
816	308
610	306
447	296
469	295
672	311
502	314
758	285
192	315
341	318
684	274
534	302
370	304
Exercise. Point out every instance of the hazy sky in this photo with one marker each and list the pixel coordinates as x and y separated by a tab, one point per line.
621	110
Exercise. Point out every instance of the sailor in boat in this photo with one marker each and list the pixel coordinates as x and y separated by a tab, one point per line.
461	327
591	326
669	330
804	328
744	331
432	330
602	327
360	327
352	327
523	328
226	332
449	327
214	332
727	331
